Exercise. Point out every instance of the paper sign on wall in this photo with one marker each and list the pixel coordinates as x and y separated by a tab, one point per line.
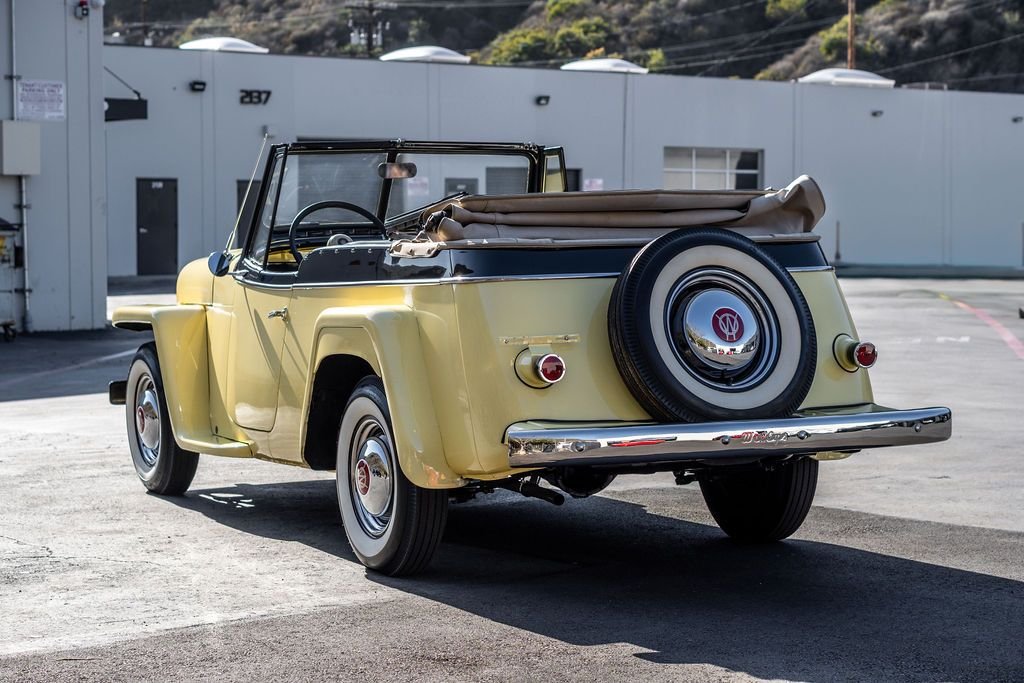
593	184
41	100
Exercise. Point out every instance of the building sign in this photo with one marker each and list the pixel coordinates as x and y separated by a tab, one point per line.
593	184
253	96
41	100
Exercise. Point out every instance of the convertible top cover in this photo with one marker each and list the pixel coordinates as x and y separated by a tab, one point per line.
617	216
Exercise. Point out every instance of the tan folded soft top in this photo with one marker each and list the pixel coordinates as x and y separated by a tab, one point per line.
618	217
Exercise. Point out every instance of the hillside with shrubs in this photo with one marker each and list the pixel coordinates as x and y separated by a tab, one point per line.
962	44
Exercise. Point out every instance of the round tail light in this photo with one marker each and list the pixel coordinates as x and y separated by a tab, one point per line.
551	368
865	354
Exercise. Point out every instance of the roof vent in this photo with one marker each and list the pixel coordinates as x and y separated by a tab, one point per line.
426	53
223	44
612	65
850	77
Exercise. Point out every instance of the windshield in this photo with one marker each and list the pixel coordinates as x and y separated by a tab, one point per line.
355	177
311	178
406	182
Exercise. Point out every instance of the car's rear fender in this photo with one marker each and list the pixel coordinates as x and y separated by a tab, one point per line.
387	338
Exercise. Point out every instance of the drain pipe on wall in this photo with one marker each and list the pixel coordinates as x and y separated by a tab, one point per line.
22	204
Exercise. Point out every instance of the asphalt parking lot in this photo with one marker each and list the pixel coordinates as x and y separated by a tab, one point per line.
909	567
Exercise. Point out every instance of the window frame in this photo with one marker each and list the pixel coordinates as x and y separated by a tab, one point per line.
274	164
693	169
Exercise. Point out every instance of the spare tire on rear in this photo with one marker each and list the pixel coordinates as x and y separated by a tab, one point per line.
704	324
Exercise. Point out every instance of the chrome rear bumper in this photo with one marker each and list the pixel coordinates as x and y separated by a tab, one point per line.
546	444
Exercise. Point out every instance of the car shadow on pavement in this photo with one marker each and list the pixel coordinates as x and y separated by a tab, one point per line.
604	571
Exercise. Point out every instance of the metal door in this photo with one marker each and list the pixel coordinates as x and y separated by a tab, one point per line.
156	222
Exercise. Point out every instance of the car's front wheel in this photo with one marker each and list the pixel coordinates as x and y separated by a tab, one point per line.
763	504
392	525
162	466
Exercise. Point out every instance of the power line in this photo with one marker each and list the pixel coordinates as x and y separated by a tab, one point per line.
778	49
809	4
734	37
711	42
955	53
993	77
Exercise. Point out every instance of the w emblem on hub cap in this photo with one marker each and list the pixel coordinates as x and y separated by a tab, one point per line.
362	477
727	324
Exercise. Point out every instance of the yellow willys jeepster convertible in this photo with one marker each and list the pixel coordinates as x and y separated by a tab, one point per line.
434	320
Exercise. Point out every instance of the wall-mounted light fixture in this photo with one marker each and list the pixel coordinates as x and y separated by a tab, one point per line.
1017	119
197	86
542	100
877	112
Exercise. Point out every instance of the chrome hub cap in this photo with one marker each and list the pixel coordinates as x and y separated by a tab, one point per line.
147	421
371	479
722	329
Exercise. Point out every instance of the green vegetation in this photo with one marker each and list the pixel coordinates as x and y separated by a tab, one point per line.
522	45
557	9
778	9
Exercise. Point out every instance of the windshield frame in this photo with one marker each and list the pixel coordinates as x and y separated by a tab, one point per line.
391	149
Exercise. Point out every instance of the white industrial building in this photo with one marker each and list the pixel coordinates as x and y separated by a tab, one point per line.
913	177
55	61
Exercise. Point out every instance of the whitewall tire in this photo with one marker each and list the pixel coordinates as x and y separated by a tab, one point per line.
392	525
704	324
162	466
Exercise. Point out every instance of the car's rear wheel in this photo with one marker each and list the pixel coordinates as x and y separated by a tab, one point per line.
162	466
704	324
761	504
392	525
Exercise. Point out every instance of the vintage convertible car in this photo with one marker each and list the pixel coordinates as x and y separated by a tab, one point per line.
437	320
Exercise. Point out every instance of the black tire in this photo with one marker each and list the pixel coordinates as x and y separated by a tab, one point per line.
762	505
393	526
165	469
671	378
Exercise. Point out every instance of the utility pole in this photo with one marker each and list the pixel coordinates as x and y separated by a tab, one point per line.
851	48
371	31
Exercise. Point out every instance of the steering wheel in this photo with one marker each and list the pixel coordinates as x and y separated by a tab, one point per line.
329	204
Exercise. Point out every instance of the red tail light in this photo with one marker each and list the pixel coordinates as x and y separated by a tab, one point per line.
551	368
865	354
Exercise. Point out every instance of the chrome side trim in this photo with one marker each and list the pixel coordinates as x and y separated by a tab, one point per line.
811	269
246	282
537	444
457	281
438	281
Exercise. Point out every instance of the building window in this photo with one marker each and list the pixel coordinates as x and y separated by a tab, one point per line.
706	168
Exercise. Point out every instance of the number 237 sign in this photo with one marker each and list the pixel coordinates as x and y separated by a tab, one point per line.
253	96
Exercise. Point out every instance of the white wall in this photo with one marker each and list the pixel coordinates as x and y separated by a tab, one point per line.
169	144
883	176
986	158
928	182
67	238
